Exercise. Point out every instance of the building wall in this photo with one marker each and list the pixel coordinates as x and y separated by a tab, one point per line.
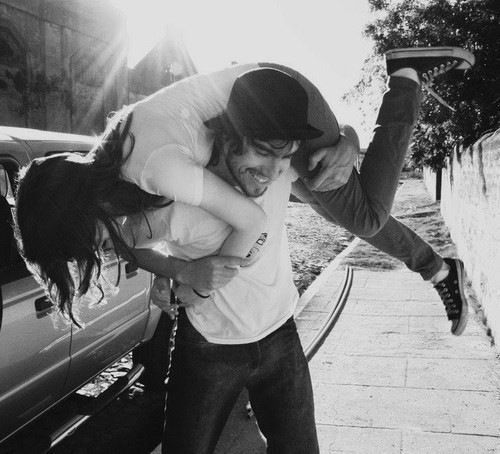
62	64
470	204
164	64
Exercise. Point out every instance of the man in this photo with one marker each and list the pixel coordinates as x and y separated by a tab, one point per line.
243	334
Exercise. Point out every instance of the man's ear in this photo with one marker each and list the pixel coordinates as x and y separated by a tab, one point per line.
218	149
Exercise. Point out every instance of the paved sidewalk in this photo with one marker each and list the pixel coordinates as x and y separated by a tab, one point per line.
390	378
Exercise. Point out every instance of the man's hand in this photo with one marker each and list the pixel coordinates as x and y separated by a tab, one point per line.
186	296
160	296
336	162
209	273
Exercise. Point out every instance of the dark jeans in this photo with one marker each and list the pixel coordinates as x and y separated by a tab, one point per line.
206	380
363	205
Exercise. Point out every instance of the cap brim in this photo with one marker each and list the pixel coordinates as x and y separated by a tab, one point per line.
222	123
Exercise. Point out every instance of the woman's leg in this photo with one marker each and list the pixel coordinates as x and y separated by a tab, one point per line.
394	238
363	204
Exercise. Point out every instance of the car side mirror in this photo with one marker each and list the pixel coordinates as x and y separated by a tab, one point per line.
5	187
1	308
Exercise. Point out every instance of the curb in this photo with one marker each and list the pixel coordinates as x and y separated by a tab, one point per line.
315	286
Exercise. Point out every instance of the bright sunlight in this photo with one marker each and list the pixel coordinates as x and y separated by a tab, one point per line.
323	39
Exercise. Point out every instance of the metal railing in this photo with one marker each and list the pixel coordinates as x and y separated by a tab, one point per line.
332	316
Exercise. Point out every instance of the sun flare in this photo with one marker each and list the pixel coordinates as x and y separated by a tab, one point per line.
322	39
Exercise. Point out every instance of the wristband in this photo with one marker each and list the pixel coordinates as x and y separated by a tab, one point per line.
200	295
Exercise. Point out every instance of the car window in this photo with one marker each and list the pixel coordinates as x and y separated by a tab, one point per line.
12	266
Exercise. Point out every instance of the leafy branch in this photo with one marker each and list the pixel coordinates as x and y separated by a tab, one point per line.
472	24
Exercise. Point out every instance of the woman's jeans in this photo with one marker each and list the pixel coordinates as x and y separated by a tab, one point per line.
206	380
363	205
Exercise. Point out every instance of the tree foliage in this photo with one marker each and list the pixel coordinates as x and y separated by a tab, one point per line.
366	95
472	24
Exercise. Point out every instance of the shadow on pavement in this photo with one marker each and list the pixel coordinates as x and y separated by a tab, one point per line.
131	425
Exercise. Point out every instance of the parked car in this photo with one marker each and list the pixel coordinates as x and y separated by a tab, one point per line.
44	359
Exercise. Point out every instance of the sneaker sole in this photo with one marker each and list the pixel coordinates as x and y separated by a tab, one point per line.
462	323
467	57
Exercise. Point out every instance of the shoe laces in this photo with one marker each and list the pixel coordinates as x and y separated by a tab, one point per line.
445	293
429	76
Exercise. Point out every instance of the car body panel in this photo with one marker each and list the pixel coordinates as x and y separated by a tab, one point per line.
43	357
117	320
34	355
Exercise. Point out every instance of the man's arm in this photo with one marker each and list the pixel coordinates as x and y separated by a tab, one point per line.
207	273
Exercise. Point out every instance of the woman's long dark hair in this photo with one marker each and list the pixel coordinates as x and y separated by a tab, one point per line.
61	202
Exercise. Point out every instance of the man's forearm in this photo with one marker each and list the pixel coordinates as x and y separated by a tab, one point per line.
158	263
206	273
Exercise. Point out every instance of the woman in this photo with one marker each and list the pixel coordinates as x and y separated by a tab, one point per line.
151	154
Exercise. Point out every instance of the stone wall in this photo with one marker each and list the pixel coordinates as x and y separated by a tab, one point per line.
470	204
62	64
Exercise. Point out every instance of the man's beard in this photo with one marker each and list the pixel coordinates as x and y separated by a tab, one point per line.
237	177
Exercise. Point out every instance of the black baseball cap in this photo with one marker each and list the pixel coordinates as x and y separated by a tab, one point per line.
266	104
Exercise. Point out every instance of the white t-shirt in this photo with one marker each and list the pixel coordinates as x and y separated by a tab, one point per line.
262	296
171	147
172	144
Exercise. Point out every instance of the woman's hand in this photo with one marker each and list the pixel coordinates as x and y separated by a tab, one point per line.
336	162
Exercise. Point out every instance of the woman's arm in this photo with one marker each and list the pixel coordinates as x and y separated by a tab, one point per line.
173	174
247	219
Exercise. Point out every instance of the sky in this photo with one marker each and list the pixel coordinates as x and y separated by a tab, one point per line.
322	39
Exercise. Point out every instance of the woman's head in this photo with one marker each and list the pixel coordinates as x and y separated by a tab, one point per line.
64	201
57	222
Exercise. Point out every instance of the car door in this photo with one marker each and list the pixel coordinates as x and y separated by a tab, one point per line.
112	326
34	338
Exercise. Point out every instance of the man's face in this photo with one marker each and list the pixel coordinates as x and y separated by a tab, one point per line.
260	163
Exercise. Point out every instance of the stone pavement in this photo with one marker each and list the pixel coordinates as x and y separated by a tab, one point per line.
390	378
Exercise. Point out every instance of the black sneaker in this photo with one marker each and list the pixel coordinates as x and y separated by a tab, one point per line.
430	63
451	291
